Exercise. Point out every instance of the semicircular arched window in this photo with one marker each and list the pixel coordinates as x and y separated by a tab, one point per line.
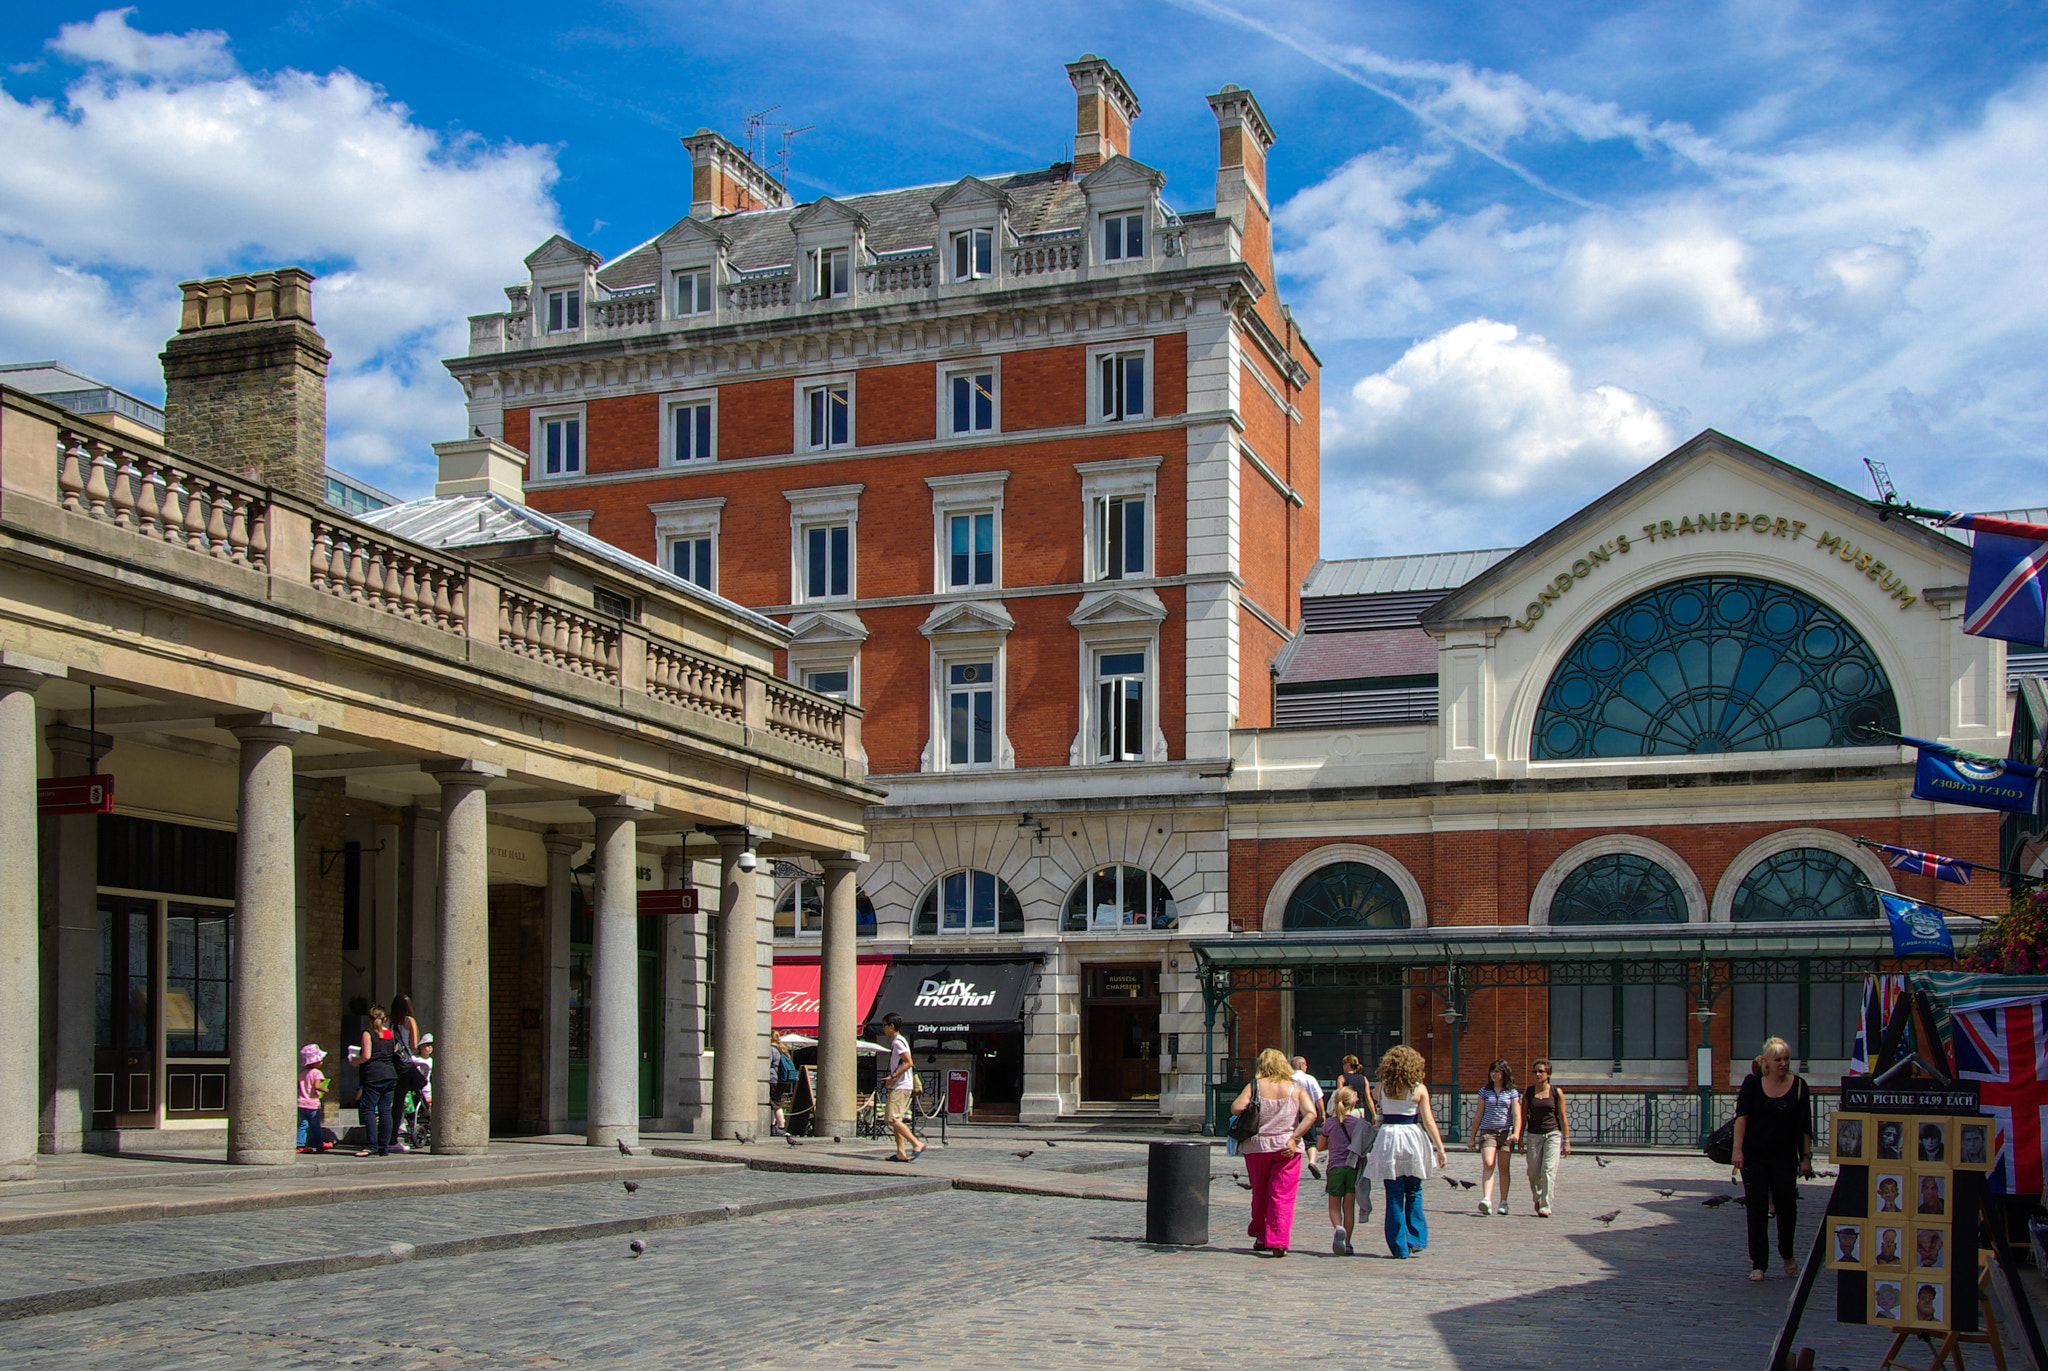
1126	898
808	895
1619	888
1345	895
968	902
1713	664
1804	883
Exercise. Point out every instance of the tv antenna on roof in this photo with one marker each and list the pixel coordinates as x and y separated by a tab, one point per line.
758	126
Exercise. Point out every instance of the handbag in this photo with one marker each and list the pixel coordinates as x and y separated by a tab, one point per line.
1244	1124
1720	1146
410	1077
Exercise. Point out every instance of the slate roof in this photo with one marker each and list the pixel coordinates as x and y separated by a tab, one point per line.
1375	656
1041	201
1388	575
455	522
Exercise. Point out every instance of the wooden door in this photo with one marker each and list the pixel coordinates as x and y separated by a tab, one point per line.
124	1085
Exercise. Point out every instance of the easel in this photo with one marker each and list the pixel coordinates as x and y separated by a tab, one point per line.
1950	1347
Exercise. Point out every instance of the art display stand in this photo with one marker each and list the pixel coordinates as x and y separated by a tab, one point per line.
1950	1349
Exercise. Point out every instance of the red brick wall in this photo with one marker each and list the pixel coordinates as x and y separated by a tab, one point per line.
1045	388
896	404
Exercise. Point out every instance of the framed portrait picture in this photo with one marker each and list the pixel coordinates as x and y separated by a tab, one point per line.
1887	1301
1891	1140
1930	1247
1930	1142
1973	1144
1888	1193
1930	1194
1847	1145
1887	1247
1847	1249
1930	1304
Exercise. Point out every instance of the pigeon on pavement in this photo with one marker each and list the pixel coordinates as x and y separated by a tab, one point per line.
1052	1144
1601	1161
790	1138
1609	1217
1451	1181
631	1186
636	1247
1667	1194
624	1151
1244	1185
1716	1201
1468	1184
1020	1156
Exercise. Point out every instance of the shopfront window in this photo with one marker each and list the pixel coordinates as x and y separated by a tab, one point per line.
1346	895
198	951
1714	664
800	913
969	902
1120	898
1619	888
1618	1021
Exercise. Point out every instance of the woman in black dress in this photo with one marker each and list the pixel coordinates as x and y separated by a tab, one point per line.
1773	1148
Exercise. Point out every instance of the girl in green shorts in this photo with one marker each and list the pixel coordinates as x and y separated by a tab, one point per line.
1347	1135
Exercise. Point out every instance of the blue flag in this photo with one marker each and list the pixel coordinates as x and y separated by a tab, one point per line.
1918	930
1977	782
2007	597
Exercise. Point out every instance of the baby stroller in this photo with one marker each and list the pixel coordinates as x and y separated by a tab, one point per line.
416	1122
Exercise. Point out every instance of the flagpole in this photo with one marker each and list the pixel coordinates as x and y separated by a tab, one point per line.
1861	841
1938	908
1873	731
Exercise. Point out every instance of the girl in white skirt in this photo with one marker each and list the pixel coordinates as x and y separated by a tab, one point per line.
1406	1146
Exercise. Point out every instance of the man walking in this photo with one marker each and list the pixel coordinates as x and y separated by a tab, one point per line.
900	1081
1315	1094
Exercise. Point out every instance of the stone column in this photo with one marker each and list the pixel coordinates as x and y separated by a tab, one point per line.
613	1115
554	1014
263	1029
838	1001
462	1044
740	1069
19	988
70	949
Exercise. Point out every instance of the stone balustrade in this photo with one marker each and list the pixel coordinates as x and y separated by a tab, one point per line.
178	502
752	294
696	682
899	273
558	635
1047	254
804	718
626	310
383	573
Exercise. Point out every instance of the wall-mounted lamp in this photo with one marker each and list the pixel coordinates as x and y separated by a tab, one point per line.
1027	821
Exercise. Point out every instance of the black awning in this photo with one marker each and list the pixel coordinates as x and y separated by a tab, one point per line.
955	996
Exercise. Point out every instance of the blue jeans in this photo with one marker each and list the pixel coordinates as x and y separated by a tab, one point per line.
311	1134
1407	1228
373	1107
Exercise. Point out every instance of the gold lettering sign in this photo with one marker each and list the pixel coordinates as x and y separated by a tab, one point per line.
1891	582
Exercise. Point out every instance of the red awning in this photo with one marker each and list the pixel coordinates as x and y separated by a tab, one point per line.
795	1003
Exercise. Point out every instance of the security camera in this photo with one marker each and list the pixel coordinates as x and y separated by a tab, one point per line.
748	861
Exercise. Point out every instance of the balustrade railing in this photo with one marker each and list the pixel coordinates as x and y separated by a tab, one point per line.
750	293
1040	257
161	498
696	683
622	311
354	565
558	636
908	273
804	719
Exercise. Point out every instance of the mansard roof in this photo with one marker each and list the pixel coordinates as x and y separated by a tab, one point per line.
1044	200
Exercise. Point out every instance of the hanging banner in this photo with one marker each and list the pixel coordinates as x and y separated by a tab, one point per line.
1979	784
2006	597
1917	930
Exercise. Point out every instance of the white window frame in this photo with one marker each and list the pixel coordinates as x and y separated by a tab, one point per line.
1137	347
971	239
1119	618
1122	216
686	399
572	302
1130	749
827	639
961	633
947	662
1118	479
823	507
805	387
992	367
680	521
838	262
808	680
952	496
703	293
537	462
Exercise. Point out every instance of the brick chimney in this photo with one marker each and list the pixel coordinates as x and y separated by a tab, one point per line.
1103	110
1243	137
245	379
724	180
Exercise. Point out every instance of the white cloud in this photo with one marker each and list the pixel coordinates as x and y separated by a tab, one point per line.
1686	275
129	185
108	40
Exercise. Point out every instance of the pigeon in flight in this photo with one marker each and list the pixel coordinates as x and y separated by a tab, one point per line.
636	1247
1609	1217
631	1186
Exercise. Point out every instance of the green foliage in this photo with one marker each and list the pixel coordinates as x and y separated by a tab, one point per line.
2016	945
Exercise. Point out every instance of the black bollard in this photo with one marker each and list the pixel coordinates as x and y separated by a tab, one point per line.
1177	1194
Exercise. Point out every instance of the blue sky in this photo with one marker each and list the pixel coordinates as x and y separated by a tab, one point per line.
1536	246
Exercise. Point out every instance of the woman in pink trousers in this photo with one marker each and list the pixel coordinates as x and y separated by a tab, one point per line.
1273	1157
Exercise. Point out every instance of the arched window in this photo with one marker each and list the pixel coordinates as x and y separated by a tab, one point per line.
1345	895
1804	883
809	895
1119	897
1713	664
968	902
1619	888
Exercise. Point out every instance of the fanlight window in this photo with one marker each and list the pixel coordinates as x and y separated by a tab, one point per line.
1619	888
968	902
800	913
1714	664
1345	895
1119	897
1804	883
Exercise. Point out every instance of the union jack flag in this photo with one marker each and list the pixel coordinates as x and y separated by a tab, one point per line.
1880	993
2005	1050
2006	598
1952	869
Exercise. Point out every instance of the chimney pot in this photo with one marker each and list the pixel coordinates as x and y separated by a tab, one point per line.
724	180
1104	108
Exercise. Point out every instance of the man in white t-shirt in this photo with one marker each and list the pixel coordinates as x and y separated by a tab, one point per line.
899	1081
1314	1088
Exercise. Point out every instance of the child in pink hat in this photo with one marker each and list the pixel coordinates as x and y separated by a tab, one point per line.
312	1085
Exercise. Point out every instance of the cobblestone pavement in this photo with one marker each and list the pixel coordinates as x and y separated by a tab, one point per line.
972	1280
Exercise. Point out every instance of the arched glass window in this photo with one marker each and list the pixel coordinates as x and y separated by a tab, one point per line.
968	902
1804	883
1346	895
1119	897
1713	664
1619	888
810	893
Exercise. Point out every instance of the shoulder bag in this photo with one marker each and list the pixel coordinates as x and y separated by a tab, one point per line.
1244	1125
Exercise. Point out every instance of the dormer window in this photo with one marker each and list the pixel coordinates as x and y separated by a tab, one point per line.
1123	237
693	293
973	254
565	311
830	277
